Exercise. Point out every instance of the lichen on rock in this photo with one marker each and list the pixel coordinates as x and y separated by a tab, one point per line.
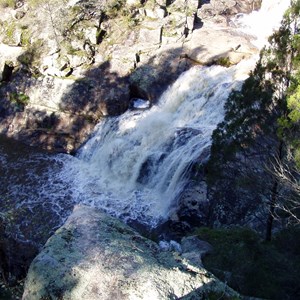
125	49
95	256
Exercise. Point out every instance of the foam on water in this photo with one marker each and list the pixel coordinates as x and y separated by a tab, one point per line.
136	165
33	198
260	24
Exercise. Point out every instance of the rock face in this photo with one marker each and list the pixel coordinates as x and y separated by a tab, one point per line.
66	64
94	256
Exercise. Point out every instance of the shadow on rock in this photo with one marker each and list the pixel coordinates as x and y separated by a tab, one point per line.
58	114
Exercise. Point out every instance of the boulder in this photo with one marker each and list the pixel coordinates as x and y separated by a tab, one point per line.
195	249
215	8
95	256
152	35
154	74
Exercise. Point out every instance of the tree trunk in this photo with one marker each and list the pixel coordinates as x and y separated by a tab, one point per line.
271	212
274	196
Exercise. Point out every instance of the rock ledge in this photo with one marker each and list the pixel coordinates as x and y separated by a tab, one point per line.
95	256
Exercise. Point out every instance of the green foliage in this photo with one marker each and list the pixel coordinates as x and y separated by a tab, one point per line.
286	50
294	106
70	49
19	99
297	156
114	7
253	267
119	10
75	10
247	114
269	99
25	37
223	61
10	32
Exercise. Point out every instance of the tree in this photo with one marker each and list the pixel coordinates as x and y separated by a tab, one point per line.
288	176
268	105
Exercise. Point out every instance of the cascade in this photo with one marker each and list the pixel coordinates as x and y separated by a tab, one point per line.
135	166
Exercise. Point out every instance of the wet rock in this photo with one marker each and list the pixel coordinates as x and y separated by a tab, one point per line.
114	106
15	256
94	256
170	246
152	78
140	103
193	205
195	249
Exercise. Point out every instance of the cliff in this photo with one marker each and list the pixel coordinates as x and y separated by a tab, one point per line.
67	64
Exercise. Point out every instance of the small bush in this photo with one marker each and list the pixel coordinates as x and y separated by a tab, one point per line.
19	98
252	266
223	61
25	37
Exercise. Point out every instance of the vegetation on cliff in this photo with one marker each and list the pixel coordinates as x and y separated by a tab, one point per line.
254	174
254	267
257	146
257	143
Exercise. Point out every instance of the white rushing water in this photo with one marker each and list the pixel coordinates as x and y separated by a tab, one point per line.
260	24
135	165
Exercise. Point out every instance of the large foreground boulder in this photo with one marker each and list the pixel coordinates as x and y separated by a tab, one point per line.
95	256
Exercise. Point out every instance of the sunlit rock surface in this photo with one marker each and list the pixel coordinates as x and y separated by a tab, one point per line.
76	62
95	256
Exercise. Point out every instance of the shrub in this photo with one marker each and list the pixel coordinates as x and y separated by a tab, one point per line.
253	267
19	98
10	32
25	37
223	61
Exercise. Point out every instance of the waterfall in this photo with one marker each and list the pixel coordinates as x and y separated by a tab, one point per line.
260	24
135	166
